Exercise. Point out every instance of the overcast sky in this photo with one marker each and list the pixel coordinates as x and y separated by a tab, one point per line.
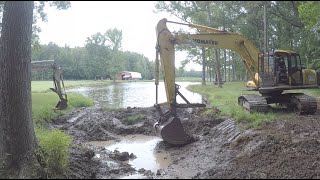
136	19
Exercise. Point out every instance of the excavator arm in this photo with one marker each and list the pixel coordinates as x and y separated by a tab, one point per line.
57	80
169	126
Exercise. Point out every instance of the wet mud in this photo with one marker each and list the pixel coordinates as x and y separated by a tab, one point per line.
223	149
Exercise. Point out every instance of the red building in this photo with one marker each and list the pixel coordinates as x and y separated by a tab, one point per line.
129	75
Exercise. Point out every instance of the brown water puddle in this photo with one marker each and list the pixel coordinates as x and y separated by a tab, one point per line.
143	147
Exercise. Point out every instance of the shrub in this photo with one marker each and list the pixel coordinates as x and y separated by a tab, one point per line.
54	145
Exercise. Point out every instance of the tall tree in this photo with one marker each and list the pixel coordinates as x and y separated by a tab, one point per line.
215	50
17	136
114	38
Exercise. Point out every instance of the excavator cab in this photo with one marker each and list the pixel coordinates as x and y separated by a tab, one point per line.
284	68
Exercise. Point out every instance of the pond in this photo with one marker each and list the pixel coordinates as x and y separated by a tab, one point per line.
134	94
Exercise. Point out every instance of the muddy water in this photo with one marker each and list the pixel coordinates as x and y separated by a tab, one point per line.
142	147
134	94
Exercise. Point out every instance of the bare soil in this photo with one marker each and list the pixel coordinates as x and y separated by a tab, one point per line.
282	149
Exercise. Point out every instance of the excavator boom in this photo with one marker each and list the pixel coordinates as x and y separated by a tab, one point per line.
57	80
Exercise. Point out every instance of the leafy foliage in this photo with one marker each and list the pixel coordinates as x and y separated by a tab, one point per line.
101	56
309	13
291	25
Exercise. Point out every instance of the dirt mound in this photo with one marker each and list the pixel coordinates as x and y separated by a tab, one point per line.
284	149
121	156
82	164
102	125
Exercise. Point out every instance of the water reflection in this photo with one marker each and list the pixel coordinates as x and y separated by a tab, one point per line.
143	147
134	94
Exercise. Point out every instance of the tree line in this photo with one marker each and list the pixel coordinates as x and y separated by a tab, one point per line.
101	56
291	25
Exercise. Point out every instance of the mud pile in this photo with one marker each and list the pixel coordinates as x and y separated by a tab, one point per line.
284	149
103	125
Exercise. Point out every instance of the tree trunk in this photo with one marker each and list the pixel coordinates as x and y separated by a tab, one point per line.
17	136
203	67
233	67
209	73
215	50
229	65
225	64
218	68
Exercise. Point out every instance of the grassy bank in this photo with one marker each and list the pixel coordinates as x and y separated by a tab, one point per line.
189	79
44	100
226	100
54	144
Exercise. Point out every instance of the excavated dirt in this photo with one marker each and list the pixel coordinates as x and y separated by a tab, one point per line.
282	149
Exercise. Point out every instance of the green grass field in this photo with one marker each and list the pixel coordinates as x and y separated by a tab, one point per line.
226	100
44	100
43	86
189	79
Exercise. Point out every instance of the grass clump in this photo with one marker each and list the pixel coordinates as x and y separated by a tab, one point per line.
54	147
110	109
42	108
210	112
134	119
252	120
76	101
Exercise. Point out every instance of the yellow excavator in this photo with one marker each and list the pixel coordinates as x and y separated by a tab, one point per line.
271	74
57	78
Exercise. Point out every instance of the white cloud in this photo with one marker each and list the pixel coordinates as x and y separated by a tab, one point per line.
85	18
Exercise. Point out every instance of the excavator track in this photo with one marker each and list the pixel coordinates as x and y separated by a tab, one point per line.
304	104
253	103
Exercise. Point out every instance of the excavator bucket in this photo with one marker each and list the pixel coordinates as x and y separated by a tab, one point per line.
62	105
172	132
